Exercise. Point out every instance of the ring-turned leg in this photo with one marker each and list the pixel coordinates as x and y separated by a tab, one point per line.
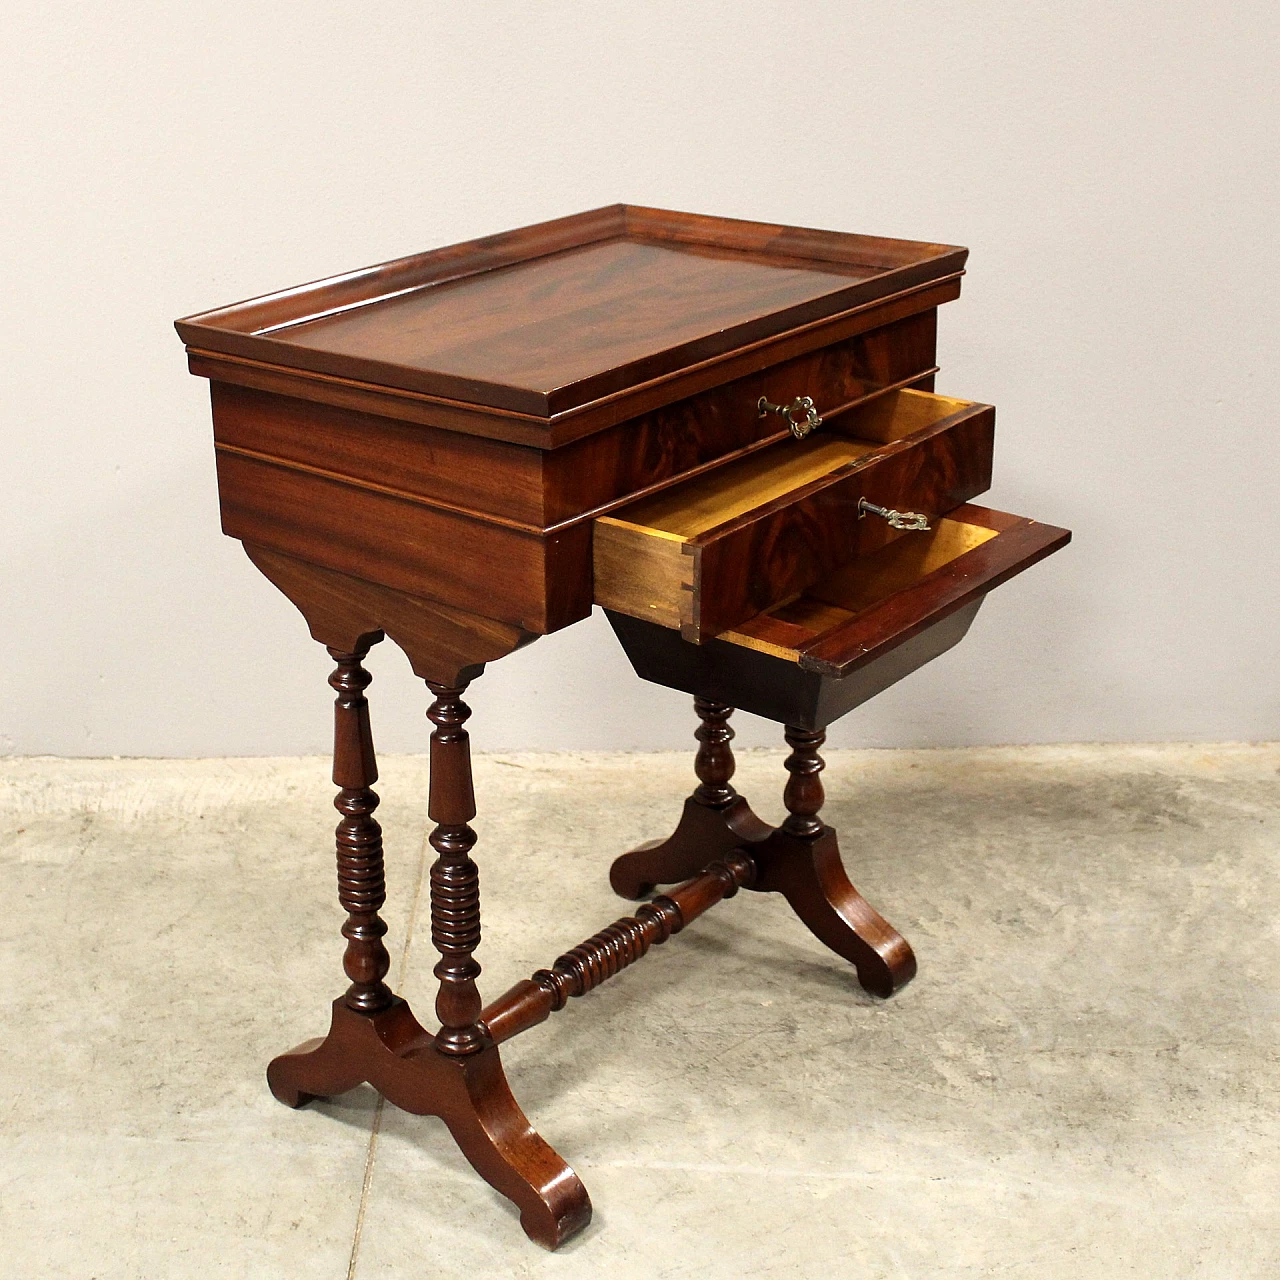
455	879
801	861
457	1073
318	1068
715	820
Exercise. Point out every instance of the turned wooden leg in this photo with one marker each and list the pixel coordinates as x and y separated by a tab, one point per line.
455	1074
478	1105
801	860
715	820
362	886
455	879
316	1069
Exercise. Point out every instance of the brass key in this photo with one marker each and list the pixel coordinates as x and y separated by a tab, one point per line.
896	519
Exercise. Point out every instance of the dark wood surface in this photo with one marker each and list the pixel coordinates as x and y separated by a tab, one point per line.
488	526
716	819
446	645
496	528
455	879
572	424
554	316
714	763
666	445
421	450
862	639
776	688
451	470
754	561
362	888
394	1053
536	582
616	947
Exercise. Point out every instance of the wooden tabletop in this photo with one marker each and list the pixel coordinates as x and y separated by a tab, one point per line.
554	316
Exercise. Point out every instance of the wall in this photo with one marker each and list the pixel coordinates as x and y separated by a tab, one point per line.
1111	166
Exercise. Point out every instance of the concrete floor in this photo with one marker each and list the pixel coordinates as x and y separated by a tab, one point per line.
1082	1081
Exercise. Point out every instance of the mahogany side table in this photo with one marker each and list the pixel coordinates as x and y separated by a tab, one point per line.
724	433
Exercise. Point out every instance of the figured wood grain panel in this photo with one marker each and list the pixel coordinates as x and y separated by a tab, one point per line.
731	491
952	586
262	370
582	318
551	318
770	525
680	437
811	670
751	564
414	271
539	488
880	601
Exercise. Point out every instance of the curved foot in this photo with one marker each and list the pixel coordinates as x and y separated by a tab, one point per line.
315	1069
812	878
703	834
469	1093
506	1150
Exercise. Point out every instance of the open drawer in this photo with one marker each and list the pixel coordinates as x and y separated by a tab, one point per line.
808	661
707	554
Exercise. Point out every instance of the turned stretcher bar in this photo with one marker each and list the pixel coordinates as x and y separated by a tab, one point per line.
604	954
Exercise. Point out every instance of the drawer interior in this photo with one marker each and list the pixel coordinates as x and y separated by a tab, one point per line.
699	505
897	415
836	603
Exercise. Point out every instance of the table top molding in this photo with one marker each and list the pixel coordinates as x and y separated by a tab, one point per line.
554	323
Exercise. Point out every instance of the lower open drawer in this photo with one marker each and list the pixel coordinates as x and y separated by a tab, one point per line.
809	660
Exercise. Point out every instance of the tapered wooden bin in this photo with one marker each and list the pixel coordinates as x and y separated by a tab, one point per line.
854	633
727	435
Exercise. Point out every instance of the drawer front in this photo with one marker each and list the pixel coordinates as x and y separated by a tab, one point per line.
662	444
760	560
704	557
